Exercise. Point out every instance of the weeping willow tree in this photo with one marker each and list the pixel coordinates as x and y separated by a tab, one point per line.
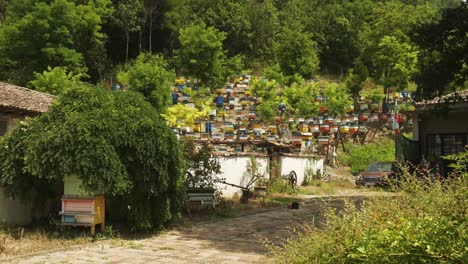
115	142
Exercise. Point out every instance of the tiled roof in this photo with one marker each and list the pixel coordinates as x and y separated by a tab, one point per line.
452	98
16	98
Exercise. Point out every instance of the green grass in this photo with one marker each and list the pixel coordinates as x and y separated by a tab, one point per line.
360	156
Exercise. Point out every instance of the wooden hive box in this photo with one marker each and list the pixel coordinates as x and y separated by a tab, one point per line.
80	208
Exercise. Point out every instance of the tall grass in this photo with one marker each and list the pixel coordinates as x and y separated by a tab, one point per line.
422	224
359	156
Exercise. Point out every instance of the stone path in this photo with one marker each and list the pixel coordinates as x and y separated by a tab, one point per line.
235	240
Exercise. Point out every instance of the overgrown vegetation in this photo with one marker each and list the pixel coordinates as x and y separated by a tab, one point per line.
422	224
359	157
116	143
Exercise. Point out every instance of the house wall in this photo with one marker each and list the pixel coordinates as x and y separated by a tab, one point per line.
13	211
438	123
300	165
232	170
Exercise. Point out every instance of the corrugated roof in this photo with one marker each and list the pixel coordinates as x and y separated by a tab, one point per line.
16	98
452	98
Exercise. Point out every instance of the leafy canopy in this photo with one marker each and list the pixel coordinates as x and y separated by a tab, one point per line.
114	142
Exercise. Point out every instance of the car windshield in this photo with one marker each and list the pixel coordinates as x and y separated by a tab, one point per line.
380	167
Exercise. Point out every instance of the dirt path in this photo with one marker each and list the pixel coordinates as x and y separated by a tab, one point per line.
235	240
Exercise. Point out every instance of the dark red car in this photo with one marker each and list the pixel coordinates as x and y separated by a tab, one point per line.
377	174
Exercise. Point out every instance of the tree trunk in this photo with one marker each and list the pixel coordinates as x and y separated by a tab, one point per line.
150	32
127	35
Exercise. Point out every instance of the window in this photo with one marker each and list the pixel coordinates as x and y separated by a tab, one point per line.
445	144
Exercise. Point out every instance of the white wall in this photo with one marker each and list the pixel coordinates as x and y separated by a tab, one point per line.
233	168
300	165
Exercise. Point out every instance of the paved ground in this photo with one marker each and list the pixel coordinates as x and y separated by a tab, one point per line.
235	240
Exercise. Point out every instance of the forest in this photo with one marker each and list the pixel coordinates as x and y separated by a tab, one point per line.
395	43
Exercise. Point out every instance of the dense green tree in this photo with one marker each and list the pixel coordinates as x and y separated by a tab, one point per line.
127	17
201	54
56	81
268	91
113	141
300	99
296	53
151	76
37	34
356	77
337	98
444	52
395	63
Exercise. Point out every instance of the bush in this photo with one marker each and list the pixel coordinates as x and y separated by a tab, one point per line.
422	224
360	156
115	142
278	185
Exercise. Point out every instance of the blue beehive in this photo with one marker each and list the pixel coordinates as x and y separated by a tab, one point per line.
219	101
175	98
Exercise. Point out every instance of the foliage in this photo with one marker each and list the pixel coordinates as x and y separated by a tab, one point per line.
443	56
459	163
201	54
395	62
151	76
114	142
268	91
201	164
356	77
181	115
37	34
373	92
296	53
300	98
423	224
55	81
360	156
337	98
253	173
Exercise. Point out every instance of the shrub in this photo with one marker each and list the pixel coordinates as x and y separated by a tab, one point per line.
114	142
422	224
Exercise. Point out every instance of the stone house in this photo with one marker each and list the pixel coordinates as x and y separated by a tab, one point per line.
16	104
440	126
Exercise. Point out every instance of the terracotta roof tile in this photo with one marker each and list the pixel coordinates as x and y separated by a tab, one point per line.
23	99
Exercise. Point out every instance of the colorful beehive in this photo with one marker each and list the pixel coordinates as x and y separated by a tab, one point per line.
323	109
244	101
333	128
350	109
217	137
272	129
314	128
251	115
375	106
213	112
204	137
277	119
219	101
364	117
383	117
328	120
303	127
300	120
175	98
306	136
374	117
344	129
229	137
323	141
219	90
229	128
324	128
244	137
363	129
271	137
363	106
197	127
353	129
346	119
80	208
296	139
318	98
405	94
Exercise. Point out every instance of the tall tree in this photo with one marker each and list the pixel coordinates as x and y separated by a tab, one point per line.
37	34
395	64
151	76
201	54
127	17
149	7
444	52
296	53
